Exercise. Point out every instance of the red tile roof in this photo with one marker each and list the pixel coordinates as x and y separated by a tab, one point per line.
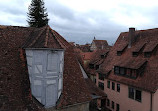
101	44
139	45
150	46
149	80
96	60
94	90
84	48
87	55
14	82
96	57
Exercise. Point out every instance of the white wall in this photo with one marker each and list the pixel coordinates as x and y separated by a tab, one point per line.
46	75
124	101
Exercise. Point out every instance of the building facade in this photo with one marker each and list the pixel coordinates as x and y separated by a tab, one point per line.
129	73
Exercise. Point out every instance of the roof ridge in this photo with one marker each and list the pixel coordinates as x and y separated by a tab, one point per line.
142	30
38	36
47	34
59	41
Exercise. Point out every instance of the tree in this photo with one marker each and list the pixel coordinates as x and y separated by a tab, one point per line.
37	16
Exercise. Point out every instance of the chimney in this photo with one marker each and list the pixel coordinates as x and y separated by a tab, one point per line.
131	36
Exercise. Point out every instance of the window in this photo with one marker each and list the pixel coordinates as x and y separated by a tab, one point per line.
113	86
135	54
91	66
147	54
128	73
108	102
95	80
102	56
118	87
108	84
101	85
101	76
119	53
131	93
133	74
116	70
122	71
112	104
97	67
117	107
135	94
138	95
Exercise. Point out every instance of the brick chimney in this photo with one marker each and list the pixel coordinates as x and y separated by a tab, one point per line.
131	36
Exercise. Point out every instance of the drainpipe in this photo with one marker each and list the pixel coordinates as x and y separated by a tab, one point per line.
151	103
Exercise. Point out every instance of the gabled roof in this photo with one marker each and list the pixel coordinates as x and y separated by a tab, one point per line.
84	48
149	80
45	37
87	55
101	44
150	46
96	57
15	85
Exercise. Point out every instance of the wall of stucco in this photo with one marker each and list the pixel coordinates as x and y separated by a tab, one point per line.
155	101
78	107
93	47
123	100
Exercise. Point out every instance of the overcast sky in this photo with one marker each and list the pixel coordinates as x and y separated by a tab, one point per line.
81	20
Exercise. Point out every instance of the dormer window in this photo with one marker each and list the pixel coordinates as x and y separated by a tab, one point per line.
119	53
121	49
97	67
135	54
122	71
138	48
147	54
101	76
102	56
91	66
116	70
150	49
131	73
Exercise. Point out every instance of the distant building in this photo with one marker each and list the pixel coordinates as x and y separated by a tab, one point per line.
129	74
84	48
39	71
98	44
95	62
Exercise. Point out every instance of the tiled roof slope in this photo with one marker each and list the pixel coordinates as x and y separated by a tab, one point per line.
96	57
149	80
84	48
101	44
97	60
14	80
44	37
94	90
74	90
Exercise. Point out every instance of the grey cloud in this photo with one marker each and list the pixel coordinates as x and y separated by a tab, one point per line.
14	8
60	10
76	26
82	31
